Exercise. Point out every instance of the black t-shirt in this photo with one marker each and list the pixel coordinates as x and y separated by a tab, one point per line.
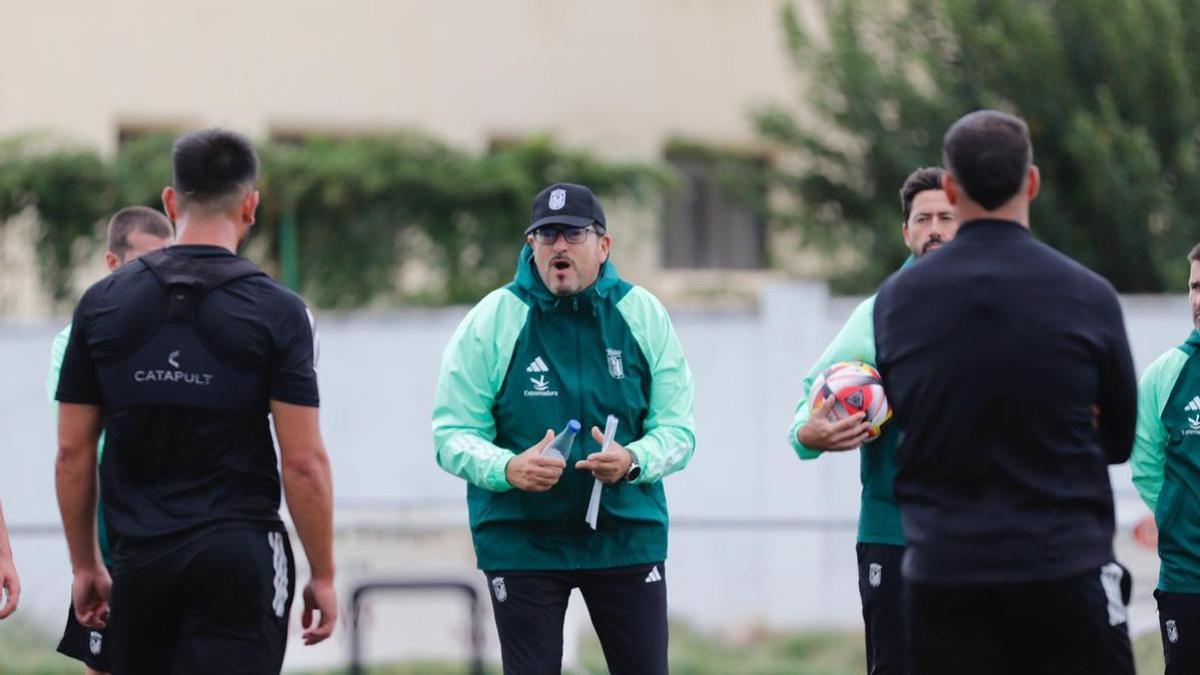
183	350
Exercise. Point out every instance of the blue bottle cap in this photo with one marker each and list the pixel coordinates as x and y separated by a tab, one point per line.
574	425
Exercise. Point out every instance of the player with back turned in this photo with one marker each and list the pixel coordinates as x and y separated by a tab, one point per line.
1008	368
182	357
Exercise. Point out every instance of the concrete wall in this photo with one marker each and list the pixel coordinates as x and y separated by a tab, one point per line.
758	537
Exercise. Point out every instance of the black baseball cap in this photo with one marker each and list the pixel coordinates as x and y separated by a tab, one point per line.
566	204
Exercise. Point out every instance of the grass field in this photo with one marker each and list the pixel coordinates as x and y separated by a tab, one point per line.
27	651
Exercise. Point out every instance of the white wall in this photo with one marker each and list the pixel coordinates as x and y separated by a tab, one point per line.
377	378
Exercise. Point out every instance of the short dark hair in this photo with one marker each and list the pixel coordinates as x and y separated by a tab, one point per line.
925	178
1194	256
136	219
211	166
988	152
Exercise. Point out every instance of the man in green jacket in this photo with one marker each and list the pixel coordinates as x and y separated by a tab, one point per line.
1166	471
132	232
928	223
568	339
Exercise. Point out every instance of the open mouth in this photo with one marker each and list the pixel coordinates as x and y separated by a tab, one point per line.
561	265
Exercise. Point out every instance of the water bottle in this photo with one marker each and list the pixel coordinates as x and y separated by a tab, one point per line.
560	447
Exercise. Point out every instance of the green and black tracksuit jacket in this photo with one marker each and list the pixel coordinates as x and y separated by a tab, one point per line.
523	361
879	515
1166	461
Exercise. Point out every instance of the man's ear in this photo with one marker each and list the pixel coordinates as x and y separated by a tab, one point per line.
111	260
950	187
249	206
605	247
1034	182
170	205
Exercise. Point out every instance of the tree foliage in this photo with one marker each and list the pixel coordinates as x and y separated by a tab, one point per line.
362	209
1109	89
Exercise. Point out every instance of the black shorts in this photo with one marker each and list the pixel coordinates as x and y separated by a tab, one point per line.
212	603
881	588
84	644
1072	626
628	606
1179	622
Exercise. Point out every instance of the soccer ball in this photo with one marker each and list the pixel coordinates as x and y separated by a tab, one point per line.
856	387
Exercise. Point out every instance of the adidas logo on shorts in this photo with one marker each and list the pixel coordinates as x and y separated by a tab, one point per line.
653	576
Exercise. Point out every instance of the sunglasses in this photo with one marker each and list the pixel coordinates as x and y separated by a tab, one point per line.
574	235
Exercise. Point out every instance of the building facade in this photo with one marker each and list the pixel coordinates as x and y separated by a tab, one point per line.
627	79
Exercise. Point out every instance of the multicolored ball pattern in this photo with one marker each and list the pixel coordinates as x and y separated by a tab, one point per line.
856	387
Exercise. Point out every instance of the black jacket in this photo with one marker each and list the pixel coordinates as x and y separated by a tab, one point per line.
993	351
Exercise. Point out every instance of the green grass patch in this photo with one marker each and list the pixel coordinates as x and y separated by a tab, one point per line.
755	652
27	650
1147	653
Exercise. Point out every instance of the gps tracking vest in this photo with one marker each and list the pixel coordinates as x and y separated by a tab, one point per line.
177	363
184	354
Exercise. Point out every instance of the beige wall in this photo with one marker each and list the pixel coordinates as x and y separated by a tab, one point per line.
620	75
617	76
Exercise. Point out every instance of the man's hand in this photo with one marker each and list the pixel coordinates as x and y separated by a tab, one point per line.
10	586
90	592
531	472
1146	532
609	466
821	433
319	597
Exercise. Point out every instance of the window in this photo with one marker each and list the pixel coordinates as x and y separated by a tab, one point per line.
714	217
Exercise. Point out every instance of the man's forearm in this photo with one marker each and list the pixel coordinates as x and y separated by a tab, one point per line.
5	546
308	487
474	459
663	451
75	482
79	428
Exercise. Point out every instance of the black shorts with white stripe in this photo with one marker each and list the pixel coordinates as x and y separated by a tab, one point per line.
214	603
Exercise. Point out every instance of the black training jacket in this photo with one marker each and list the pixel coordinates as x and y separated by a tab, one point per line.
993	351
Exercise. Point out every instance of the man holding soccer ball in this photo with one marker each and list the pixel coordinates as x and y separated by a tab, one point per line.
928	223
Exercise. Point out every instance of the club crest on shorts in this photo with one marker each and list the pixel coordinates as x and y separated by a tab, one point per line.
558	199
875	575
1172	631
499	590
616	366
95	642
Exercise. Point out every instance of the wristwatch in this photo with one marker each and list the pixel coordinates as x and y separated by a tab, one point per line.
635	469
